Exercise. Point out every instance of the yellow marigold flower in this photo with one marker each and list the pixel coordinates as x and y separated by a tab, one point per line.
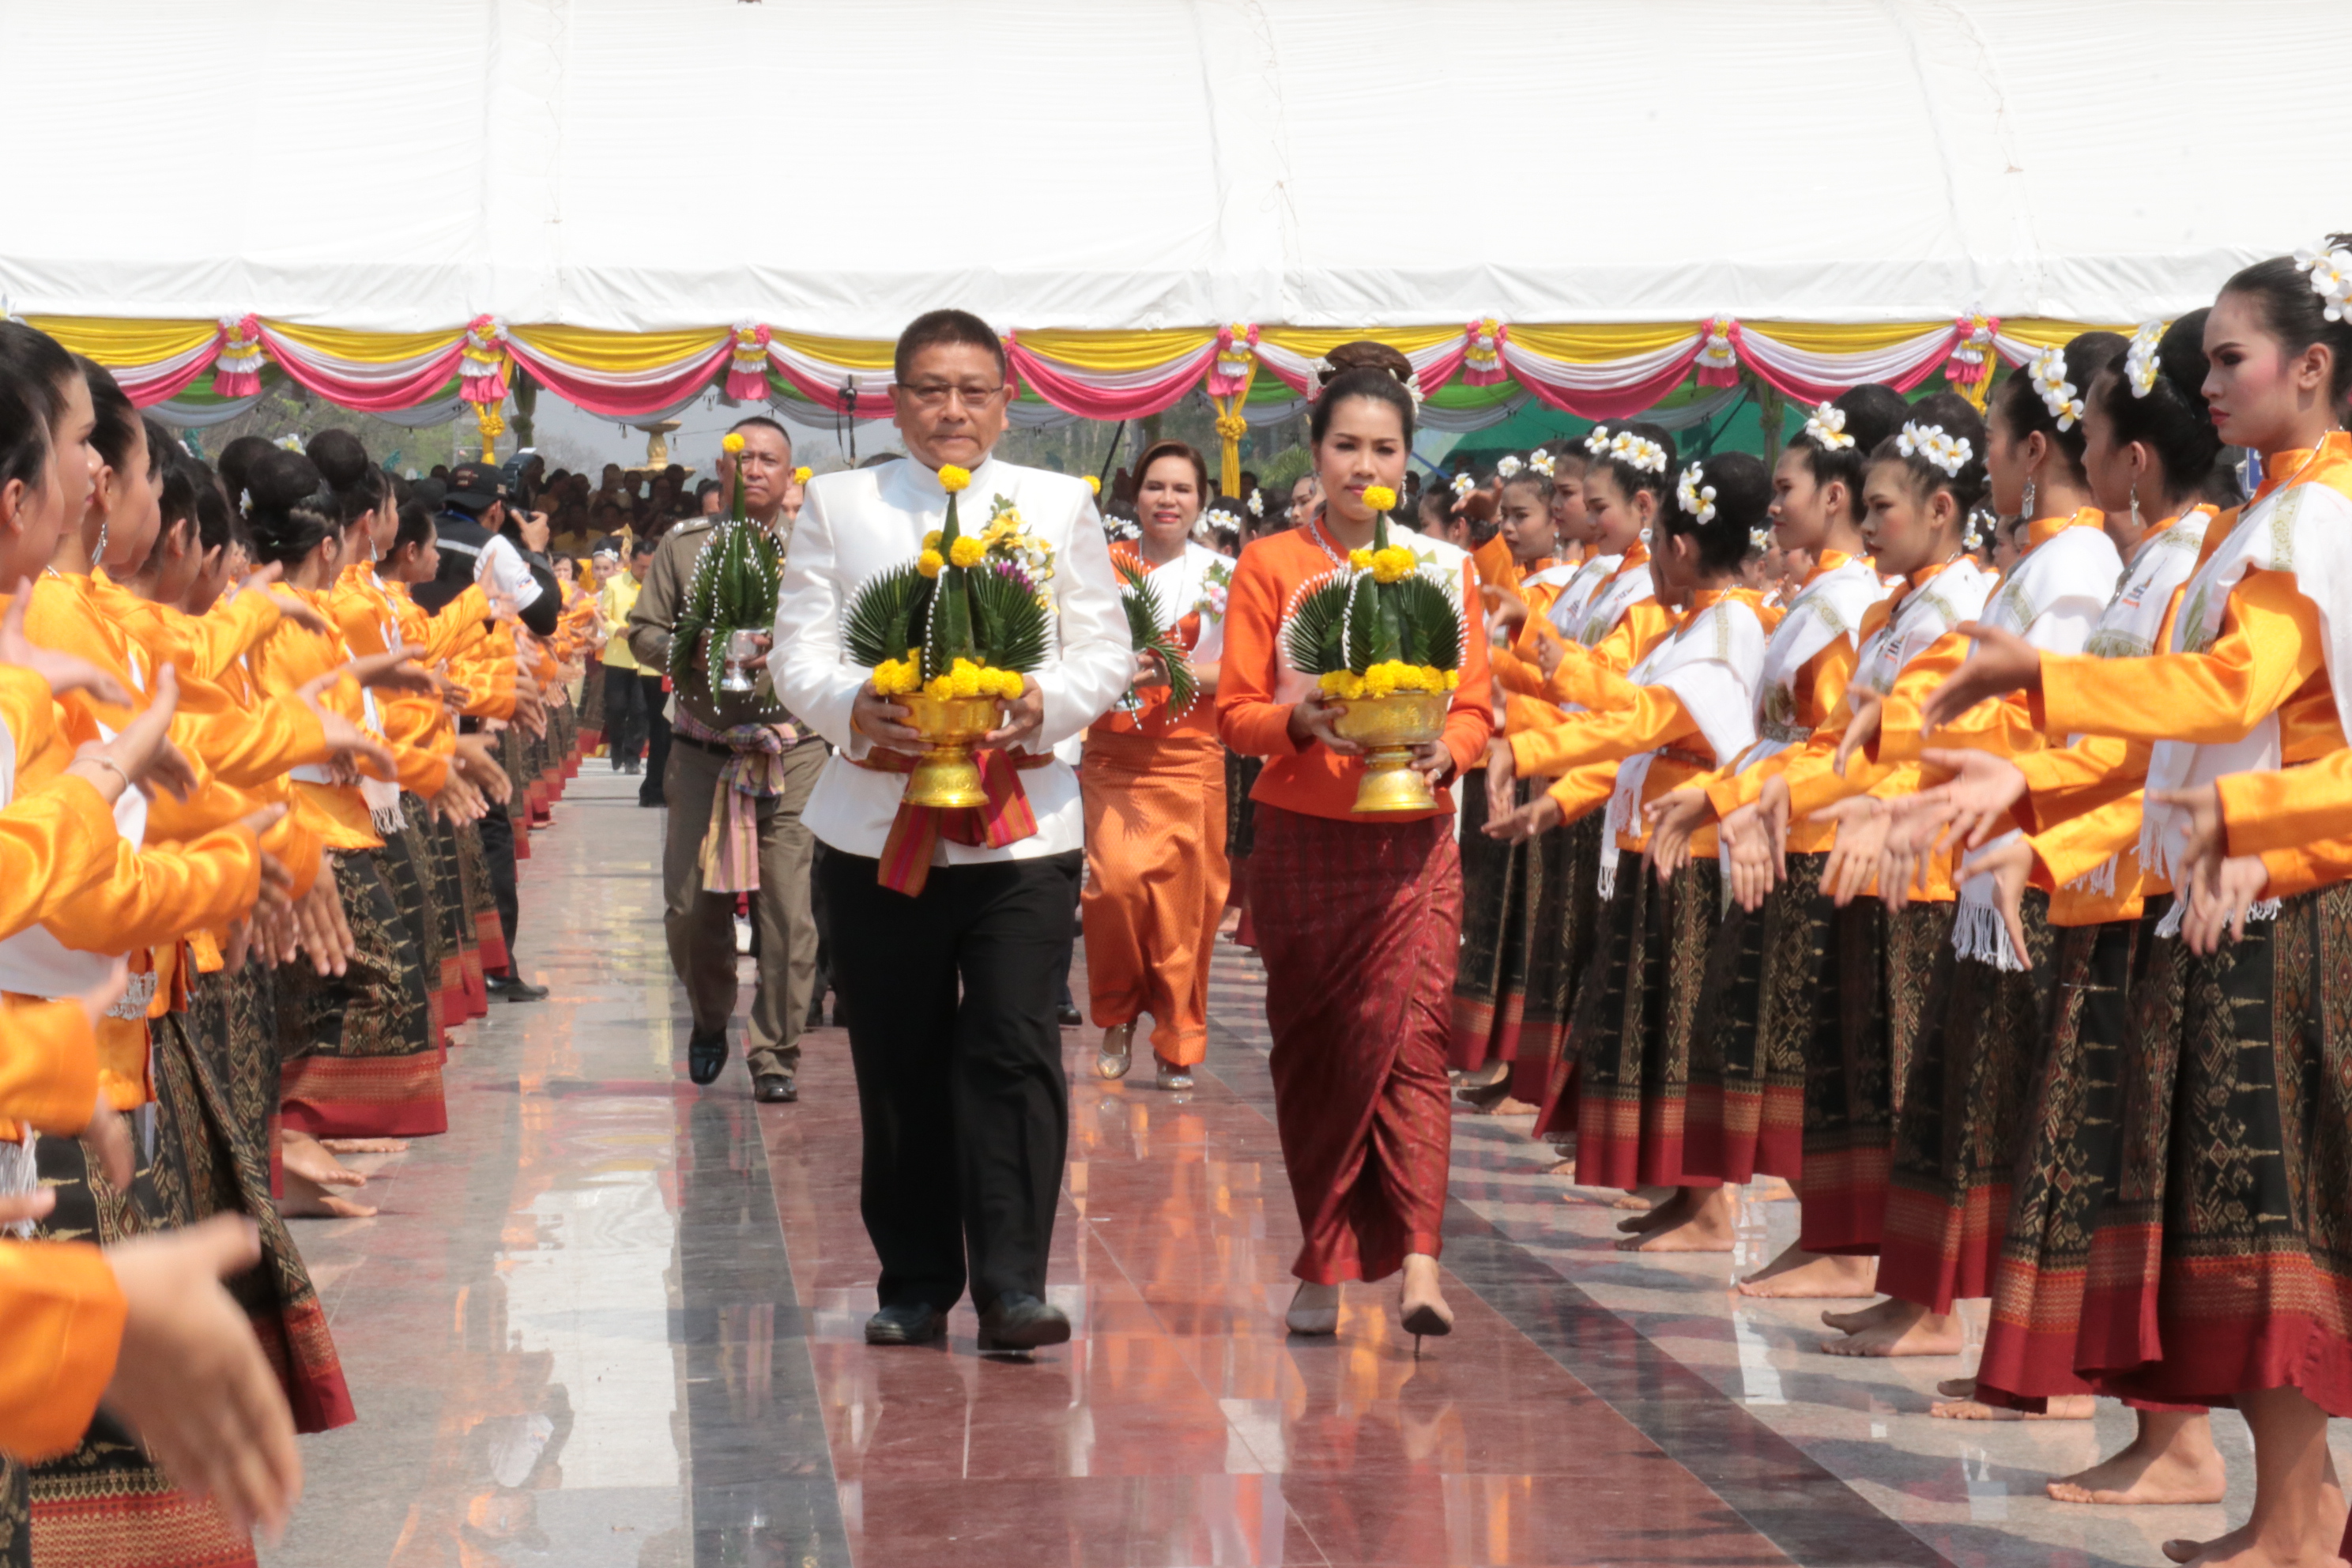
931	539
1361	560
952	478
966	680
1432	677
930	562
967	551
801	474
1391	564
939	688
1379	498
731	443
1453	679
1010	683
1094	483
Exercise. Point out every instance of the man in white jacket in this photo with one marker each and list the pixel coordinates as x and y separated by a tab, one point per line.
951	992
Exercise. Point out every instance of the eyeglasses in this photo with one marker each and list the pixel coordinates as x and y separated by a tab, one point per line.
935	393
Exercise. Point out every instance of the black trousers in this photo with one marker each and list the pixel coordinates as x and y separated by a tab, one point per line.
497	829
649	686
624	714
961	1090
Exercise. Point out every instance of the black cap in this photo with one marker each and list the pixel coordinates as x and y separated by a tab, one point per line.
473	487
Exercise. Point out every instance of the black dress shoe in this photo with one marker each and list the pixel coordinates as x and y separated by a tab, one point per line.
1068	1015
774	1088
1017	1322
909	1323
513	988
706	1055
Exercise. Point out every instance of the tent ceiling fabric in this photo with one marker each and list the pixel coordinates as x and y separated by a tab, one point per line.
638	165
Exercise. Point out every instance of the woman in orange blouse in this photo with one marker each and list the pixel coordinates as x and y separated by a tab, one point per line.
1356	920
2223	1258
1154	787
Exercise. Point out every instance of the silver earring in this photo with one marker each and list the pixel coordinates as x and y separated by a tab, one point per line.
98	556
2029	499
2137	524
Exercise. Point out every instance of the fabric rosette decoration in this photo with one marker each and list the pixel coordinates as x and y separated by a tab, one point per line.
952	633
1382	637
1140	600
733	591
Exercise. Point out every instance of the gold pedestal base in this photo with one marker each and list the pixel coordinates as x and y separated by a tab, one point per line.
1390	729
947	777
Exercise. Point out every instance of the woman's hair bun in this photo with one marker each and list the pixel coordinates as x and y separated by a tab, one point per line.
1363	353
341	459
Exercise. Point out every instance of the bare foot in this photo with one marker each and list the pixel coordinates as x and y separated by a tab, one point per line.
1910	1330
1667	1209
1796	1273
303	1155
1506	1106
2171	1459
1869	1317
1770	1190
306	1199
1644	1197
2064	1408
1563	1167
1702	1223
364	1145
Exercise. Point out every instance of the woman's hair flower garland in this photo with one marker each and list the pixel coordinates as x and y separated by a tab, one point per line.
2049	373
1760	540
1544	463
2330	265
1928	442
1463	485
1696	496
1637	452
1509	467
1257	503
2141	366
1825	427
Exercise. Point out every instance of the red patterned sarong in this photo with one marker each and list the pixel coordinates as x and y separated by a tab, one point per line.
1357	924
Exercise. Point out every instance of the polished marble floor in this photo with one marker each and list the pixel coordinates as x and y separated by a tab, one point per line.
610	1318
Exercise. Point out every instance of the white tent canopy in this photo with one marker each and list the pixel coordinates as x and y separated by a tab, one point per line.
642	165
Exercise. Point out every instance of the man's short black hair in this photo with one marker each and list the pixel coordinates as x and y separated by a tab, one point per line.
934	328
763	422
642	545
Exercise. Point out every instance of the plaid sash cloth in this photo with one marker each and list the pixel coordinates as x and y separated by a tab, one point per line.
915	832
731	850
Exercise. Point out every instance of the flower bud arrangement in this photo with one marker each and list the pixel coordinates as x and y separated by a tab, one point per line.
965	618
1380	626
734	587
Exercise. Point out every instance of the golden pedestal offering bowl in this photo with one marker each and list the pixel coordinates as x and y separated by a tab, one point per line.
946	776
1390	729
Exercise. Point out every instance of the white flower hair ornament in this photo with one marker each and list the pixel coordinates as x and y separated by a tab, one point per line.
1511	467
289	442
1974	538
1463	485
2049	373
1949	453
1637	452
2141	366
1218	517
1759	540
1825	427
2330	265
1543	462
1257	503
1696	496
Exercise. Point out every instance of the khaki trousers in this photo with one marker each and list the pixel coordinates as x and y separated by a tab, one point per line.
701	926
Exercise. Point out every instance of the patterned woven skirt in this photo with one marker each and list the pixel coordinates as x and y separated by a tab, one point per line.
1545	954
1872	985
487	945
357	1054
592	706
105	1504
216	1096
522	804
1357	924
2073	1157
1761	1003
2224	1260
408	866
1963	1121
1493	888
1634	1019
453	932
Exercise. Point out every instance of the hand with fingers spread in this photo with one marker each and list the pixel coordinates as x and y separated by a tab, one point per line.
141	754
2009	864
530	711
478	761
1538	817
2200	805
2221	895
2001	663
352	744
1673	818
1982	788
63	671
190	1378
459	802
1861	730
1502	780
1914	835
1863	822
1748	854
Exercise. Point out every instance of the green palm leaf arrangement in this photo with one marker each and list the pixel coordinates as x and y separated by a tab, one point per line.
1140	600
965	618
1376	625
735	580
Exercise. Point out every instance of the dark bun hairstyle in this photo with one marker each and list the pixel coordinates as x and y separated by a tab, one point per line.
359	485
37	365
1873	411
24	433
2024	409
1632	478
1958	418
1739	488
292	510
118	421
215	527
1363	369
2157	398
177	499
2296	315
237	460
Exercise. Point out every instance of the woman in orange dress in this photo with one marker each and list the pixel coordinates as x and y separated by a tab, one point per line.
1154	787
1358	921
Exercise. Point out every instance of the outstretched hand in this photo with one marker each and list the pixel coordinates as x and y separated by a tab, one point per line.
2001	662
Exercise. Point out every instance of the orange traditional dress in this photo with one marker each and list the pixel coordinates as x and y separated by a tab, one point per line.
1358	922
1154	789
